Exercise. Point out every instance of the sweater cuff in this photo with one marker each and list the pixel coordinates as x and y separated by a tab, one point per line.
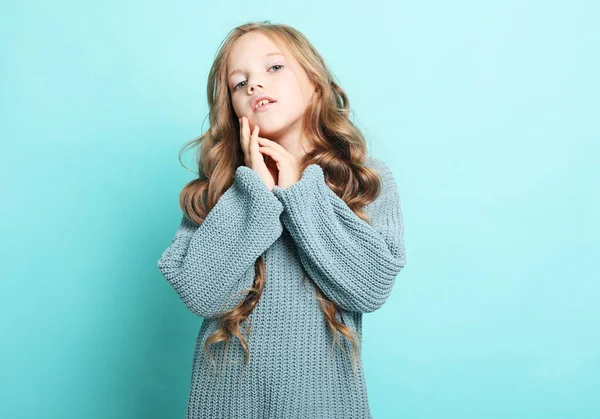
249	181
302	190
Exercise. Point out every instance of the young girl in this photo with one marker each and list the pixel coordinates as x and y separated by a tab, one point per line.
287	238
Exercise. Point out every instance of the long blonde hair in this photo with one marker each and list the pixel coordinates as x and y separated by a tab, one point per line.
340	149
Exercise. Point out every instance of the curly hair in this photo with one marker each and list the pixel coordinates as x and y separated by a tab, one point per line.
339	149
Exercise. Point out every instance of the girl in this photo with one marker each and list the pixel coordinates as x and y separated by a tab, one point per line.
287	238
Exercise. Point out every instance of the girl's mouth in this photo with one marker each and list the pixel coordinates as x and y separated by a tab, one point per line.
264	107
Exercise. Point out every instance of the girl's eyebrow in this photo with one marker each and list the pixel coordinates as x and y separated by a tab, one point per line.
268	55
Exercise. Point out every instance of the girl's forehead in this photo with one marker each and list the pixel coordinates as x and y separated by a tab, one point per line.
256	46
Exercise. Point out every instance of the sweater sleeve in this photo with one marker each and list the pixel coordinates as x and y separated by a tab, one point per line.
209	264
353	262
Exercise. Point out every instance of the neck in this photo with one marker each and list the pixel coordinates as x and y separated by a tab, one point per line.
294	141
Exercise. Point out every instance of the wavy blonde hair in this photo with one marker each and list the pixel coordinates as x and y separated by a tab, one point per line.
340	150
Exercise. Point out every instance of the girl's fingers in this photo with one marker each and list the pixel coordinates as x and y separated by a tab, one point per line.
243	136
249	140
271	143
253	139
275	154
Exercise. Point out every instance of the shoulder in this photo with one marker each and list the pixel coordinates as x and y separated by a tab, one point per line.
381	167
388	191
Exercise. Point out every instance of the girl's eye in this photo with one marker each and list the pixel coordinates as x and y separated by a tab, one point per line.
237	85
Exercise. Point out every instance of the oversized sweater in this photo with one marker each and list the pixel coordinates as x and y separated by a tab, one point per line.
292	371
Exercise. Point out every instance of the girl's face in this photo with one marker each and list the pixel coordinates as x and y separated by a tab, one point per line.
257	67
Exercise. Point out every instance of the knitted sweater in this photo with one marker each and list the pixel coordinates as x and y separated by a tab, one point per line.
292	372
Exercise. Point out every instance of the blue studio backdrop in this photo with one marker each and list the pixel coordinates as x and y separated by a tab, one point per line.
487	112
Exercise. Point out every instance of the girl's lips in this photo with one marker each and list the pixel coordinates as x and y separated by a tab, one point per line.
264	107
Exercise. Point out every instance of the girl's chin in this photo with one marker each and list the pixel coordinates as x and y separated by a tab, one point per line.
267	129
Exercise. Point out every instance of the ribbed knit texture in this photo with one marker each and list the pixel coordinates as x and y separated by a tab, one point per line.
291	372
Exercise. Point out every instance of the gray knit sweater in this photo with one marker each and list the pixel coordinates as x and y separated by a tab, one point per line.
291	372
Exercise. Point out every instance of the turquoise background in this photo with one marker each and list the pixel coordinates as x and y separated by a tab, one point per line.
488	113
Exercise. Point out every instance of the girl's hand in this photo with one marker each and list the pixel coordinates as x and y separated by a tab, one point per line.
287	165
252	156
